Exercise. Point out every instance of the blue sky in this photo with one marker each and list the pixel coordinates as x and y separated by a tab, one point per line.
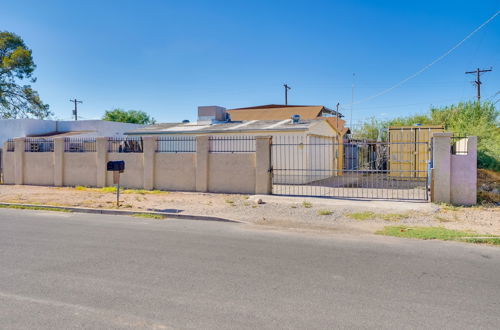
168	57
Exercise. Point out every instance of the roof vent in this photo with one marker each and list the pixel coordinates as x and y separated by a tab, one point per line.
295	119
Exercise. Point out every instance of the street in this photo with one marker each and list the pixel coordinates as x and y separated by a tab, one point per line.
65	271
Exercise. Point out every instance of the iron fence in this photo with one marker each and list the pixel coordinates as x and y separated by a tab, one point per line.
11	145
176	144
321	166
125	144
38	145
231	144
80	145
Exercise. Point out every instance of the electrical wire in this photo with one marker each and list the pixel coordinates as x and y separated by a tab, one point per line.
430	64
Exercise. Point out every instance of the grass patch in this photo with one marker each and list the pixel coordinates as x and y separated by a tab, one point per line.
393	216
439	233
325	212
122	191
369	215
361	215
307	205
230	202
149	216
33	208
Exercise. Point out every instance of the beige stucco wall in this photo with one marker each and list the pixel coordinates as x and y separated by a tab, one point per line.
175	171
197	171
79	169
231	172
8	167
133	176
39	168
463	185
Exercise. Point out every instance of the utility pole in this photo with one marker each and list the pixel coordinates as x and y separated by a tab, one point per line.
352	100
75	111
477	82
338	105
286	93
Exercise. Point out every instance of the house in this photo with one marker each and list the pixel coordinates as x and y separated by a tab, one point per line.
282	112
15	128
216	122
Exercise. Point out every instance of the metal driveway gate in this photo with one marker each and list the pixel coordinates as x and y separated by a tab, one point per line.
321	166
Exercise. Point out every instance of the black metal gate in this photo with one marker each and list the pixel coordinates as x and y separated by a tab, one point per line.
321	166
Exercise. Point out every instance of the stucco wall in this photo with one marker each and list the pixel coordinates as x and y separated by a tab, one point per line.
194	171
15	128
133	176
8	167
464	174
79	169
231	173
39	168
175	171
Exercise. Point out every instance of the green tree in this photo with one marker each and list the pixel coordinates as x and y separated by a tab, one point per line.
130	116
465	118
18	99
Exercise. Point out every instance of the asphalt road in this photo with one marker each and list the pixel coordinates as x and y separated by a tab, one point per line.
64	271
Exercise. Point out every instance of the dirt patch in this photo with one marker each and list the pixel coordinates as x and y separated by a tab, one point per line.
488	186
318	215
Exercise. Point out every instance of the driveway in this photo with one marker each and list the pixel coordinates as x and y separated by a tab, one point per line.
63	270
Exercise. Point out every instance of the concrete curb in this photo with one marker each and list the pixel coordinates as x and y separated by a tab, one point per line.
168	215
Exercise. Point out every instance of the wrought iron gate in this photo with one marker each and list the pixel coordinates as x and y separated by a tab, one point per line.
322	166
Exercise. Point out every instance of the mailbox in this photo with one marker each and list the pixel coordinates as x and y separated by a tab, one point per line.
116	166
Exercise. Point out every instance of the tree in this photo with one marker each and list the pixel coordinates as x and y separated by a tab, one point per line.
17	99
465	118
130	116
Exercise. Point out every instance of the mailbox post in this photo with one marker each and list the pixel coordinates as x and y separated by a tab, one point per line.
116	167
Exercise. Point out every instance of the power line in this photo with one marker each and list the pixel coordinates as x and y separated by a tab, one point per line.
430	64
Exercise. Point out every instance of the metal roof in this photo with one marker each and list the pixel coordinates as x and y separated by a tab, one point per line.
226	127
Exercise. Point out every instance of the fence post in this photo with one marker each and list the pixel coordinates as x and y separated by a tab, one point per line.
19	160
202	150
149	154
101	144
441	167
263	184
58	161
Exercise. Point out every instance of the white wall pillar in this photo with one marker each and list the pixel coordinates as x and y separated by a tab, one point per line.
58	162
19	160
101	160
202	150
149	154
441	168
263	176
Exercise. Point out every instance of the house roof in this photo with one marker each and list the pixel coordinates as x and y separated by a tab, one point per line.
233	126
279	112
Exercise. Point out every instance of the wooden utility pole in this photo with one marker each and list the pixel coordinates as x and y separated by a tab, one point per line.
477	82
286	93
75	111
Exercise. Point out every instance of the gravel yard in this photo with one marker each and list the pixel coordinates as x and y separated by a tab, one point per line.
293	213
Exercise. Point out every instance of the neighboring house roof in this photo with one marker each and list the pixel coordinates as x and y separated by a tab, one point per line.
338	125
279	112
61	134
236	127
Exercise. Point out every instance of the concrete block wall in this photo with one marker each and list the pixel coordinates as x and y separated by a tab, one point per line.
202	171
454	177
